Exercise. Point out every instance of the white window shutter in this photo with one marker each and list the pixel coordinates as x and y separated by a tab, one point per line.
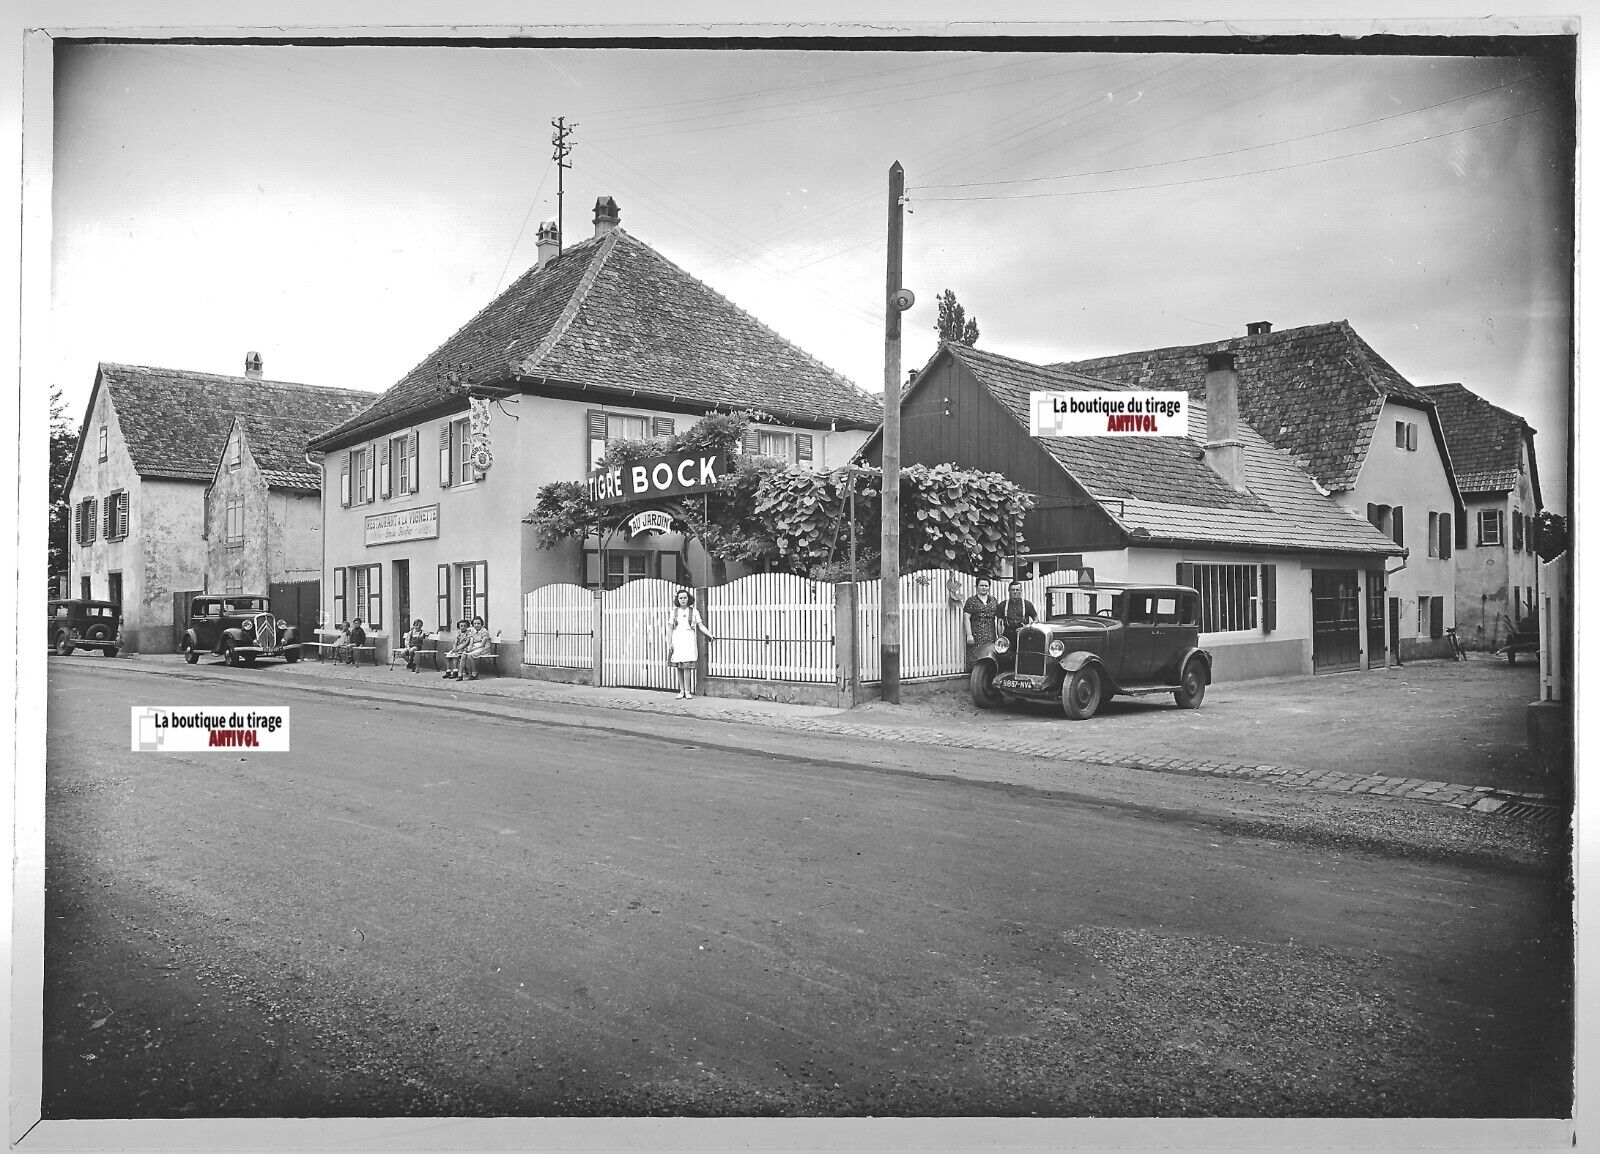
383	470
372	473
444	455
344	482
480	591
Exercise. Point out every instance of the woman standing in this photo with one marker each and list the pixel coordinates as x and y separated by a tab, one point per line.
684	645
978	618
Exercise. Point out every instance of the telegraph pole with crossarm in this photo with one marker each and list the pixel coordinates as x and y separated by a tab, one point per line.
563	150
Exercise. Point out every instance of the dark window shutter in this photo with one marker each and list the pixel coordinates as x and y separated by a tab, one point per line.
1186	573
93	519
1445	535
108	518
1269	598
1399	434
1372	515
1436	618
344	482
444	597
1461	533
1516	529
802	447
661	426
372	472
1400	525
444	455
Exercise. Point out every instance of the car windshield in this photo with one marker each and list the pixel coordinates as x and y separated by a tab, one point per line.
244	604
1066	601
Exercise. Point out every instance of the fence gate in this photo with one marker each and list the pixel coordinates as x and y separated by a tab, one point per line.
558	627
773	627
633	635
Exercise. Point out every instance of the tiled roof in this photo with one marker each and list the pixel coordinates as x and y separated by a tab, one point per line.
1161	486
611	313
1485	440
278	445
1314	392
176	423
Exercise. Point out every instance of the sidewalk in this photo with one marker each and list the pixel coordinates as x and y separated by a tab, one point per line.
1441	732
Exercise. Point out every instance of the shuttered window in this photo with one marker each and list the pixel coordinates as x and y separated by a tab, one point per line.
339	601
1489	527
1400	525
1516	529
472	586
1433	534
1228	595
1445	536
444	621
344	482
1461	533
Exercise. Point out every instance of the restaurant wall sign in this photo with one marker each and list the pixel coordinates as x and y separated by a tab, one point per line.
417	524
670	475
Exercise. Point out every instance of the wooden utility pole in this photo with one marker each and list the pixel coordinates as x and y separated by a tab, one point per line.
563	149
896	301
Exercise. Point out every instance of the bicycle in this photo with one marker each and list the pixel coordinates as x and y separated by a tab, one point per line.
1457	650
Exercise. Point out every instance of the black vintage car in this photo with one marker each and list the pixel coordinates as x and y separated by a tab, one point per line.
239	629
75	623
1096	641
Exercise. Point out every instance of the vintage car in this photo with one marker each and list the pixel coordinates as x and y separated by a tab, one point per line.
78	624
238	628
1096	641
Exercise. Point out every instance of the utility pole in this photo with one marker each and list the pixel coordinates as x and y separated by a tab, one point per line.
563	149
896	300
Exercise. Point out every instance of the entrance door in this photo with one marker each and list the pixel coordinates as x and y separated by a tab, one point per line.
298	603
1335	620
1394	629
402	598
1375	631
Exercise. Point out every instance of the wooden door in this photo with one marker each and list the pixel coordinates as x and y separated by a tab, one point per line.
1335	620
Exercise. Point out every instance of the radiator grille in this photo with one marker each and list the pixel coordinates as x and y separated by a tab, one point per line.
1030	653
267	631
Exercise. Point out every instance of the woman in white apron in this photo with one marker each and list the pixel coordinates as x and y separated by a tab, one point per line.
684	654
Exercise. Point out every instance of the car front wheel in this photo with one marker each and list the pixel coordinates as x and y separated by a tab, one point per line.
1081	694
981	682
189	654
1191	690
231	655
290	656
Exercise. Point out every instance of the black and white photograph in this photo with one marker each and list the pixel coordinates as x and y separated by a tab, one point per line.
1012	577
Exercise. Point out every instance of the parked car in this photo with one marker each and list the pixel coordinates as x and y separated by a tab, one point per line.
75	623
1099	640
239	629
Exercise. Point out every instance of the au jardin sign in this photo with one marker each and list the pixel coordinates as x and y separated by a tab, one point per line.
672	475
650	521
403	525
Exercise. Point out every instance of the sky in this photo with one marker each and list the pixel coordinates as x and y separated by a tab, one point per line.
344	209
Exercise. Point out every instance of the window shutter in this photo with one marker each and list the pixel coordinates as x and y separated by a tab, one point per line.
1400	525
77	523
108	518
375	598
480	591
661	426
1269	598
1399	434
1372	514
1436	618
344	482
1516	529
1461	533
802	447
595	429
1186	575
1411	436
372	472
752	441
93	520
1445	536
444	455
444	597
413	468
338	596
383	470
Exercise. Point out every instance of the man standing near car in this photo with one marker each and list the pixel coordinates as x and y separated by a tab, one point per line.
1015	612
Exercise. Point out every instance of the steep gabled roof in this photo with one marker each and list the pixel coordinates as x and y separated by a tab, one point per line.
613	315
175	423
1315	392
278	446
1485	440
1161	491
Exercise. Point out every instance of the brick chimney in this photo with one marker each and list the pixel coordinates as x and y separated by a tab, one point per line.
1258	328
1224	450
549	242
252	366
606	215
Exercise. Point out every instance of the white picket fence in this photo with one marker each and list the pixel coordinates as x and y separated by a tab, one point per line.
769	626
772	627
558	627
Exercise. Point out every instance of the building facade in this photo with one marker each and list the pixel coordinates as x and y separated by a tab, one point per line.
1367	436
148	450
1497	568
426	495
1285	573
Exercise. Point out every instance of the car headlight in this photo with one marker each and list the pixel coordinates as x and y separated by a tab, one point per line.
1002	644
247	627
282	624
1057	648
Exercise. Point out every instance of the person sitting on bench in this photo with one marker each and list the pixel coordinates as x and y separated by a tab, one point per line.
452	660
478	644
411	645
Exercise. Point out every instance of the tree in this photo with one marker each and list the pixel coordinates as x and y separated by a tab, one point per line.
63	442
954	324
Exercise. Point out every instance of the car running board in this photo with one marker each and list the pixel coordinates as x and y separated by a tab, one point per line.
1145	690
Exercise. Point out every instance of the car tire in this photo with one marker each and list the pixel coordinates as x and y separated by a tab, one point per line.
110	651
64	644
1081	693
231	655
1191	689
981	682
291	656
1511	656
250	660
189	654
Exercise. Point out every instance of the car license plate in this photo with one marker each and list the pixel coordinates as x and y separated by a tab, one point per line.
1017	681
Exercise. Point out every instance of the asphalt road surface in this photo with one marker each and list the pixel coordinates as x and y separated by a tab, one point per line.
426	911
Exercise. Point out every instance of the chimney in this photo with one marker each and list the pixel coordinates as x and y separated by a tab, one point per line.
606	215
549	242
1224	451
1258	328
252	366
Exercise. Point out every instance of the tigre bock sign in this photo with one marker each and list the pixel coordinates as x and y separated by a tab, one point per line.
666	476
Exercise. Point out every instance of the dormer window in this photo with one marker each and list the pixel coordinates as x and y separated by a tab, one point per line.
1405	435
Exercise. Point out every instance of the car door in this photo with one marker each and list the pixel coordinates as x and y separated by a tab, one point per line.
1138	634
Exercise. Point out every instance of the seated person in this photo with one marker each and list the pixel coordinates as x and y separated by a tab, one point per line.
452	659
478	643
342	650
411	644
358	637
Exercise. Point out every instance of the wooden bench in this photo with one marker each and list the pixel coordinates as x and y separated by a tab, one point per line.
396	652
326	643
491	659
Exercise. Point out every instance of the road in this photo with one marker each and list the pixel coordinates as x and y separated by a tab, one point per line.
426	911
